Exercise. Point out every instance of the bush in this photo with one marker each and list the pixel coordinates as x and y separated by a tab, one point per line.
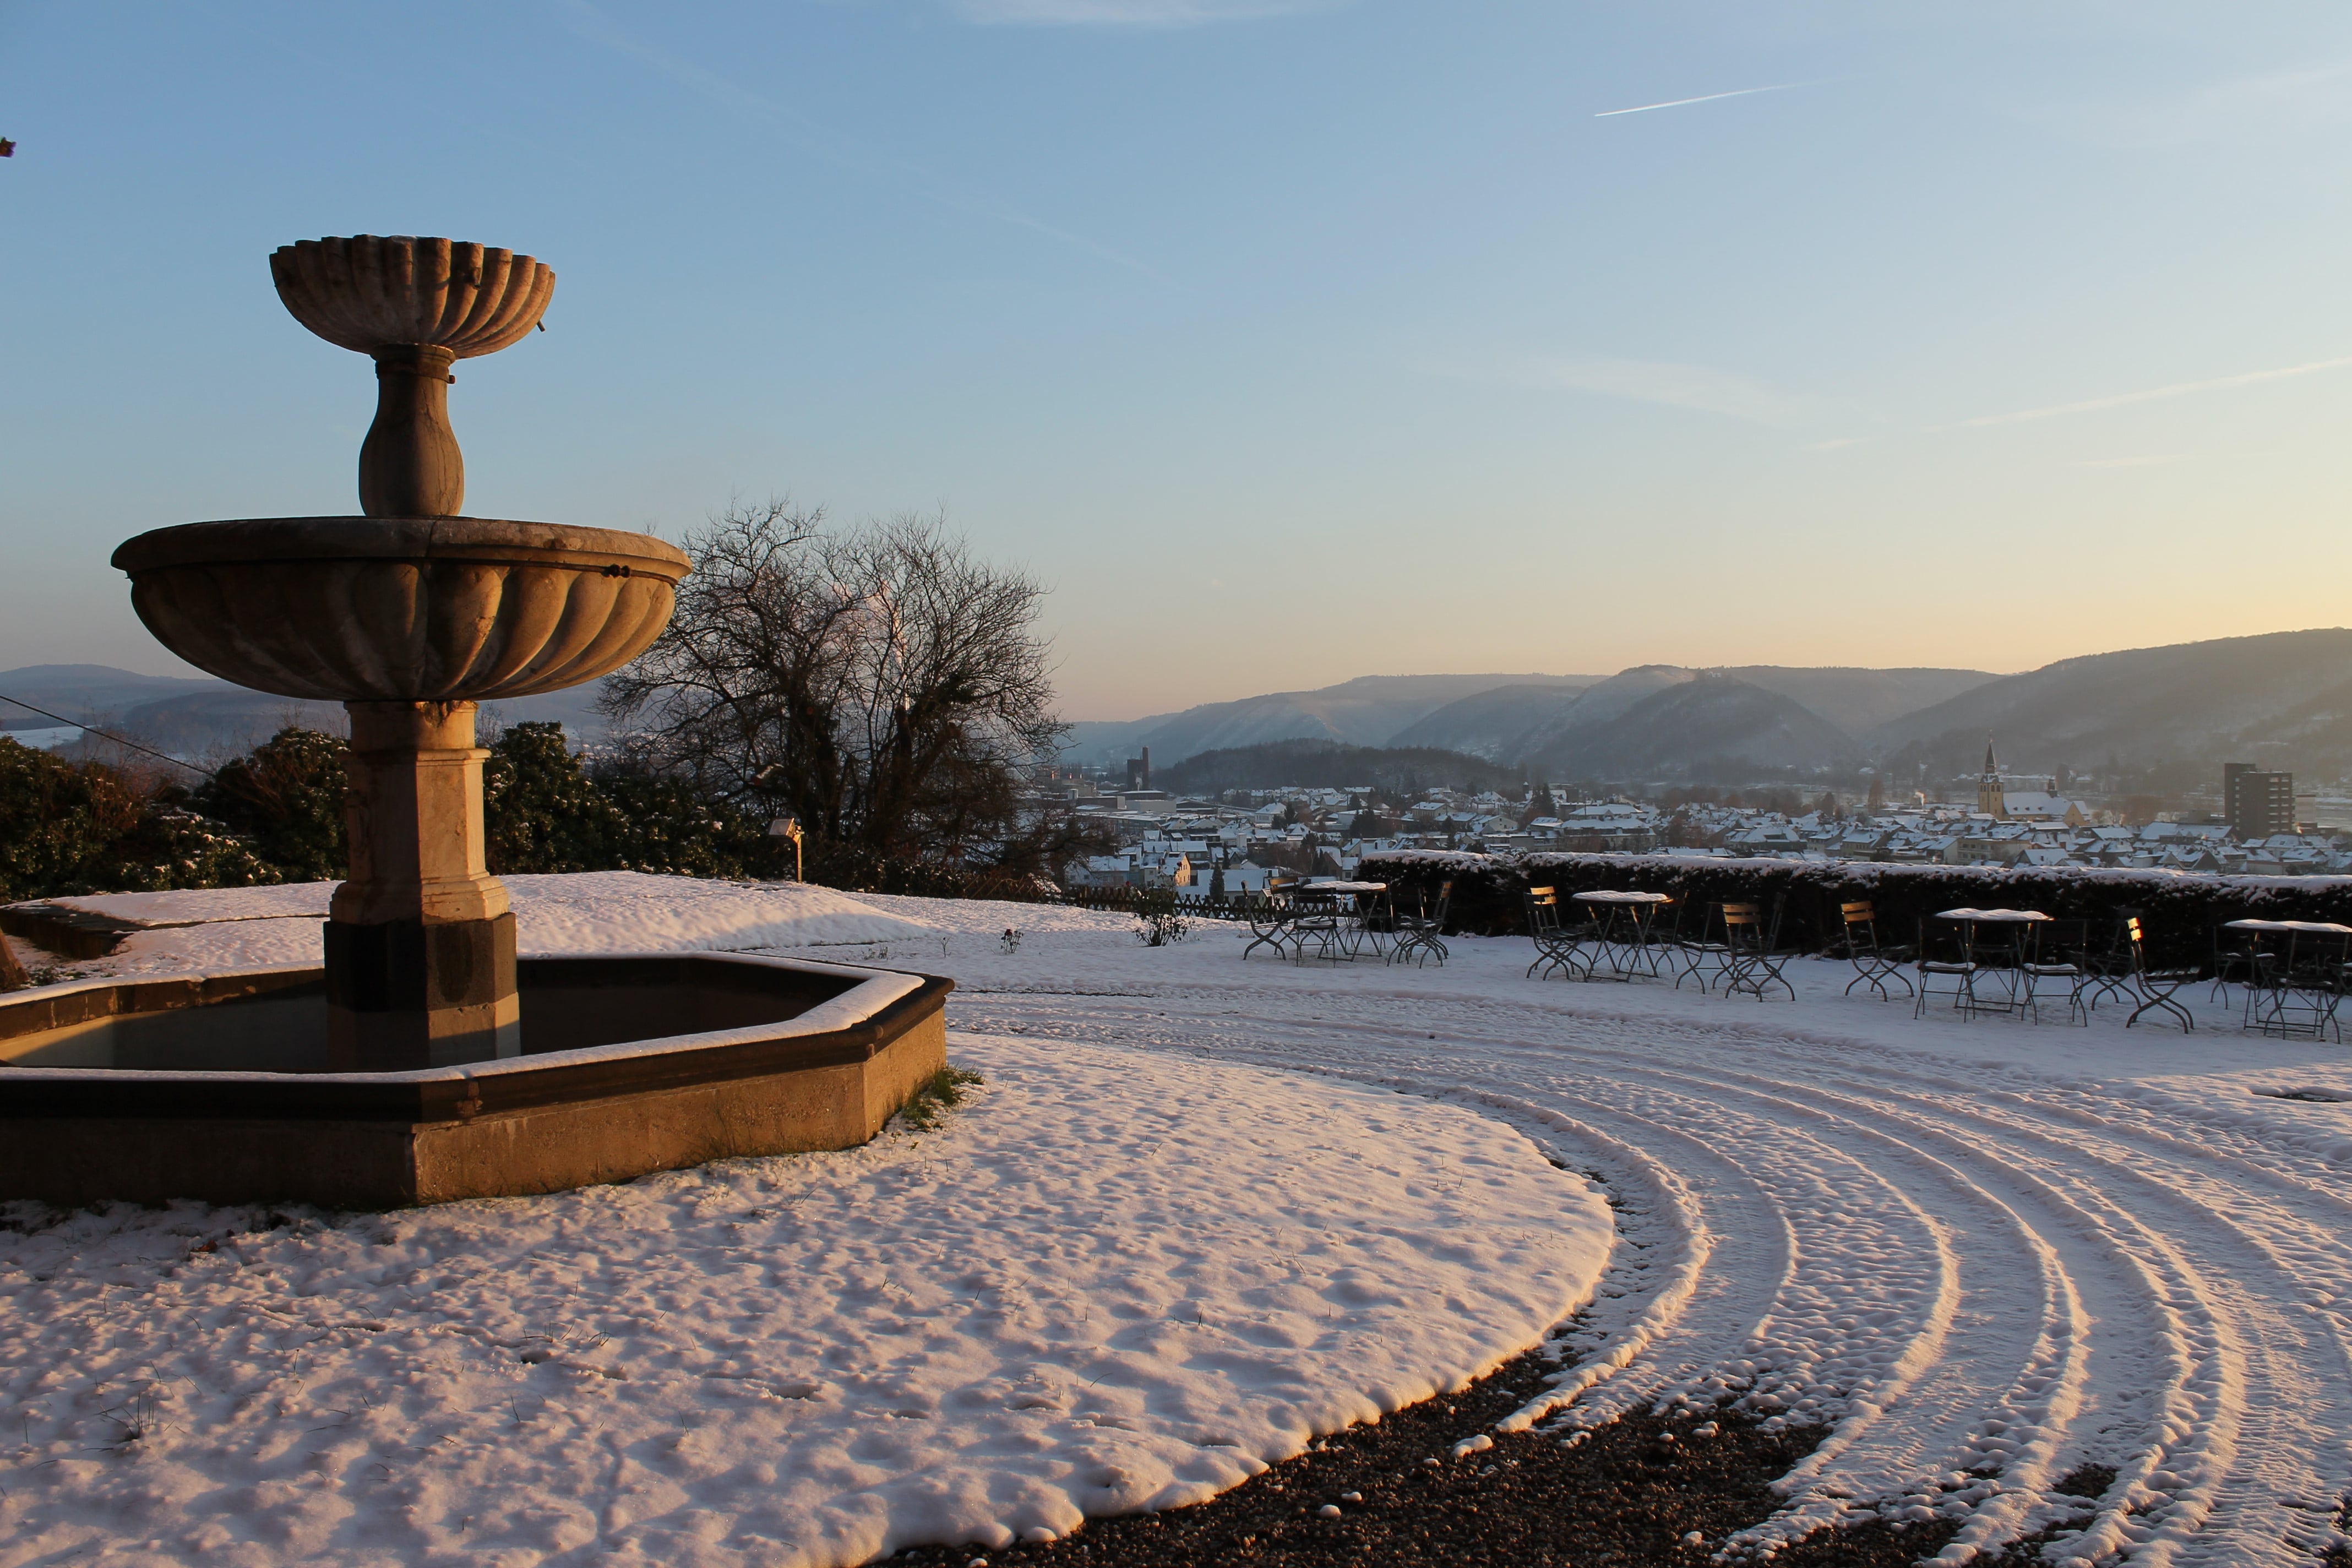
2178	912
67	828
286	798
543	812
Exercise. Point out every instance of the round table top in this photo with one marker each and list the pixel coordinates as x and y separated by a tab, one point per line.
1993	916
1342	887
1607	896
2325	928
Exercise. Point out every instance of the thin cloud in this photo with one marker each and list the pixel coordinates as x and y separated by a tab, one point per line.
587	22
1130	13
2292	101
1705	97
2152	394
1699	387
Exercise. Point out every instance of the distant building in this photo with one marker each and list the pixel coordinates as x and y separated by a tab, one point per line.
2256	802
1990	799
1139	770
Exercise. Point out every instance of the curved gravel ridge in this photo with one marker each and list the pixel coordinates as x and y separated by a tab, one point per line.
1977	1274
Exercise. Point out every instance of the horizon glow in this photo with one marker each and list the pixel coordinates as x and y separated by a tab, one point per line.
1290	341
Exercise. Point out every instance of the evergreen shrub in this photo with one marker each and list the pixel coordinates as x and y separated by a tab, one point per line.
2178	912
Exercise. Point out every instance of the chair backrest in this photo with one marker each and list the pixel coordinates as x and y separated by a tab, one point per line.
2060	940
1742	914
1941	943
1543	910
1860	928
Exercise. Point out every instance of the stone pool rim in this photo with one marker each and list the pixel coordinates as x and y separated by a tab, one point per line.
828	1077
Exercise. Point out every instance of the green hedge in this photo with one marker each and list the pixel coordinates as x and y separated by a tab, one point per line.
2178	912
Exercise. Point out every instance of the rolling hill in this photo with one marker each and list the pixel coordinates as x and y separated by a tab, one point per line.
1711	727
187	717
2285	699
1366	712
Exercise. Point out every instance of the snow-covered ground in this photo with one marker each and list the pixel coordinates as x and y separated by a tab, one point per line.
1981	1253
1116	1279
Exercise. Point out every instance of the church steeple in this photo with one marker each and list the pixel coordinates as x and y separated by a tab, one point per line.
1991	799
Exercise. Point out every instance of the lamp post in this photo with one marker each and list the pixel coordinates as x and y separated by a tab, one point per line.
789	827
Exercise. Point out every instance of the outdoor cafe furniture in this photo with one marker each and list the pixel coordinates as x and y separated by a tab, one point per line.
1995	947
1339	917
1945	968
1619	932
2109	971
2057	958
1754	959
2296	976
2237	952
1269	918
1702	957
1422	934
2156	985
1555	944
1873	965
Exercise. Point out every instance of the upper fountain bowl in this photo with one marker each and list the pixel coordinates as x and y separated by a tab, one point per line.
371	292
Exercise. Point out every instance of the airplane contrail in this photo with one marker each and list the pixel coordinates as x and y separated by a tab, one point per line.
2151	395
1710	98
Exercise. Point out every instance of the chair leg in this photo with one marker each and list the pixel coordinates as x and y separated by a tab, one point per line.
2163	999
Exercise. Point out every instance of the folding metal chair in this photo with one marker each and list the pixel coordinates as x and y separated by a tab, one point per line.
2054	959
1555	944
2107	971
1756	961
2156	985
1947	962
1269	918
1700	955
1872	965
2237	956
1422	933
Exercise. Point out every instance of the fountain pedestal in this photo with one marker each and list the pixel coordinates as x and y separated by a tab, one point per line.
403	1070
420	944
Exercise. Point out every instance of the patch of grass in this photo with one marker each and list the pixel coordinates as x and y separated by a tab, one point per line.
936	1096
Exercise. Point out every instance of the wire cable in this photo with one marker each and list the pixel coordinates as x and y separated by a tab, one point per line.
101	734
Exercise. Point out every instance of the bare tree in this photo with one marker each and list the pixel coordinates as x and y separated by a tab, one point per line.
878	683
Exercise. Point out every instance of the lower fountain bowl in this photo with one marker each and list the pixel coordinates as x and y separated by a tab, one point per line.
415	609
211	1088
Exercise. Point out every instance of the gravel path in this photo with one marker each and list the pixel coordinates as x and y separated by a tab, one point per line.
1643	1489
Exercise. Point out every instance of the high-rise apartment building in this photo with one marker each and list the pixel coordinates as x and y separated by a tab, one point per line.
2256	802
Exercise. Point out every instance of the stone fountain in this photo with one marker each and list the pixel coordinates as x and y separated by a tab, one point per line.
410	615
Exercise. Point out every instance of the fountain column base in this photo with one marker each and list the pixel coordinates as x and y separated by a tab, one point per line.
420	943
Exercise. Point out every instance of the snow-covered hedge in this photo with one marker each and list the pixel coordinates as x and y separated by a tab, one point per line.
2178	910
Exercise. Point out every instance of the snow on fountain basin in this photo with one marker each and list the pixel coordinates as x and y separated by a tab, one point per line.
598	911
1114	1280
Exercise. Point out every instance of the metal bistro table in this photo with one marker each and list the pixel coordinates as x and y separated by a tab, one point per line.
1621	924
2298	977
1339	916
1994	943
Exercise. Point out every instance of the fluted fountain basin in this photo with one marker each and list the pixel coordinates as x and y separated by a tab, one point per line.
428	609
211	1087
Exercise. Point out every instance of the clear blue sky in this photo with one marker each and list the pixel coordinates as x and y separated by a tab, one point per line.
1290	341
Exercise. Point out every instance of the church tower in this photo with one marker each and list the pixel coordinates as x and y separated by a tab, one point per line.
1990	798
